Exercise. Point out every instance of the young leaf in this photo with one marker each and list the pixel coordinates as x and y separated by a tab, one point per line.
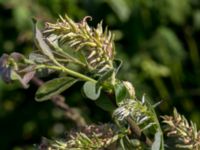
118	64
122	144
158	133
120	92
90	90
41	44
54	87
157	142
104	77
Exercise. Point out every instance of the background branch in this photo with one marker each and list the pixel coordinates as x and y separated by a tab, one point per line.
59	101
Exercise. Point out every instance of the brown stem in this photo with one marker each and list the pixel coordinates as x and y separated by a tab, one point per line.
138	133
135	129
59	101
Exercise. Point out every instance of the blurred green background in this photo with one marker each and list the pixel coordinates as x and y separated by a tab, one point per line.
159	42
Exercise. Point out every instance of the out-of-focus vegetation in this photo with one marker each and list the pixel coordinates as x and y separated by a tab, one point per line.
158	41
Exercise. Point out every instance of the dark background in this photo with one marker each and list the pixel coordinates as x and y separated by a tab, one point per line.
159	43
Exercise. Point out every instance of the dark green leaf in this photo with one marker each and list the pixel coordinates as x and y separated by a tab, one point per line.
105	103
90	90
120	92
129	144
54	87
104	77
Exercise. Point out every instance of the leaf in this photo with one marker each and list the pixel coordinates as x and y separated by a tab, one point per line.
38	58
158	127
120	92
118	63
121	8
3	60
17	56
129	144
104	77
5	74
27	78
157	142
122	144
90	90
41	44
54	87
105	103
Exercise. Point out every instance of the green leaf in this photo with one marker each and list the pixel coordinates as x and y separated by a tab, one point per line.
121	8
90	90
122	144
157	142
105	103
104	77
121	92
129	144
157	127
54	87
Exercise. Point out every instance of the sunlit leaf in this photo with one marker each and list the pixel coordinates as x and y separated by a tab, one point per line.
121	8
41	44
54	87
90	90
157	142
158	131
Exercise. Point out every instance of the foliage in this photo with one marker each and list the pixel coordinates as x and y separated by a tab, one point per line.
158	41
77	52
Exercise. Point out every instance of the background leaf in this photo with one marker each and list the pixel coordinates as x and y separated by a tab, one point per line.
105	103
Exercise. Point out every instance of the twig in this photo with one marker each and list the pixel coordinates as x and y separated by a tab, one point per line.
59	101
135	129
138	133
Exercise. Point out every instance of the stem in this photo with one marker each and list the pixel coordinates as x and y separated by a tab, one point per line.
138	133
68	71
66	55
59	51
